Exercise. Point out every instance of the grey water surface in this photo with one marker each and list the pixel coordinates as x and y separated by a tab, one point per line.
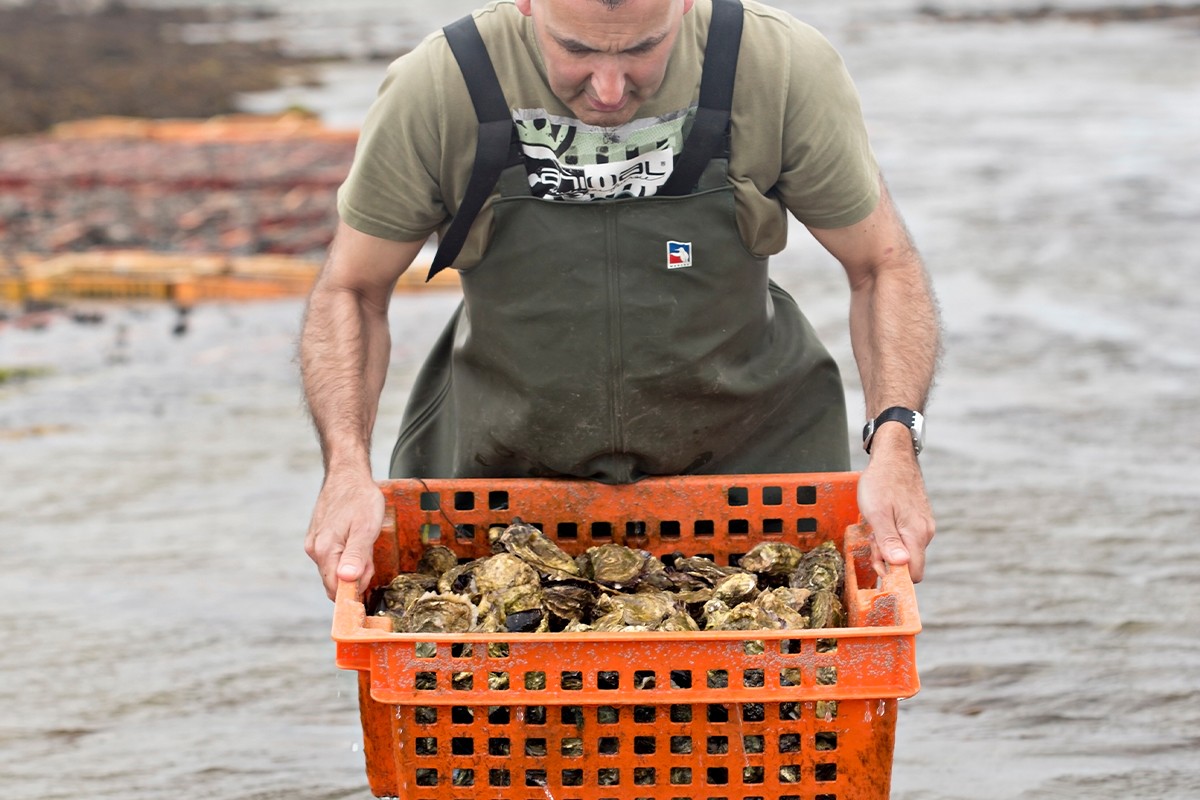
164	635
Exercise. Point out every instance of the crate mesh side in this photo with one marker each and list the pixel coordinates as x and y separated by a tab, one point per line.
752	751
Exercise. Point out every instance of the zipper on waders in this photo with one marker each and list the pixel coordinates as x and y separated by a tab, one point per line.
616	374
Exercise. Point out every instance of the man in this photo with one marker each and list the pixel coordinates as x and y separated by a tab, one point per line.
615	174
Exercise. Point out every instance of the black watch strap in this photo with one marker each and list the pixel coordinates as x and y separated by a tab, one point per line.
909	418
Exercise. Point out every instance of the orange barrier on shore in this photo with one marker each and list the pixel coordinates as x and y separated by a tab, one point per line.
228	128
182	279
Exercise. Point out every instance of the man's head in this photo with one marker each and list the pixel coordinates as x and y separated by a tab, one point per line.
604	58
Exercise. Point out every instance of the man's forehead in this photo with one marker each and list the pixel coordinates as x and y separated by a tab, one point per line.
570	19
616	7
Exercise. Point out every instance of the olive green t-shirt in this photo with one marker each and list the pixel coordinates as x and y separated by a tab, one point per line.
798	140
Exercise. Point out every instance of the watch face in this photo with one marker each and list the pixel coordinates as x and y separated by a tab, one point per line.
918	431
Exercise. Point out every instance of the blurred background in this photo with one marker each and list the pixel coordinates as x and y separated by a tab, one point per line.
167	174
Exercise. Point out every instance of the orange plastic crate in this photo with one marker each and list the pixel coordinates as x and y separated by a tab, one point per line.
712	715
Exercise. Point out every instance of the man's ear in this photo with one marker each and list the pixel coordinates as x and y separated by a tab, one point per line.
524	6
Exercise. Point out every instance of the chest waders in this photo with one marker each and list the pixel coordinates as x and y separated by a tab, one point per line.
578	351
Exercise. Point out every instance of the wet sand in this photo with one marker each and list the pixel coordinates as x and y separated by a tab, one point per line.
166	637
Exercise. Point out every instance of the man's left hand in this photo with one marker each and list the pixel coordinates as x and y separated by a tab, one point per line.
892	499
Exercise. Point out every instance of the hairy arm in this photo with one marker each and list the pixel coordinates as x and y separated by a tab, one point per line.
896	335
344	347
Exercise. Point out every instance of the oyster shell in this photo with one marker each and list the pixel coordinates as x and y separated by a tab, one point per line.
772	558
646	611
460	580
736	588
783	605
614	565
519	597
436	560
825	610
686	582
654	575
532	620
538	550
404	590
576	626
704	569
437	613
493	537
503	571
742	617
568	601
679	621
820	568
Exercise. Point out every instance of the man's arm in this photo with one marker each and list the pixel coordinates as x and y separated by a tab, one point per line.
896	335
344	349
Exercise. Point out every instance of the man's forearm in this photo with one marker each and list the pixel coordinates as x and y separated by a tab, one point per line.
895	332
344	350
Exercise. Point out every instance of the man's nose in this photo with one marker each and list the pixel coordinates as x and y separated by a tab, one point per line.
608	82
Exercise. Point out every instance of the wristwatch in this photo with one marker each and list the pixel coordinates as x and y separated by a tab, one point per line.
912	419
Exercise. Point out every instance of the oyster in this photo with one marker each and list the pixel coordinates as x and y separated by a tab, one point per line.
514	604
490	619
736	588
614	565
825	610
503	571
820	568
704	569
714	614
679	621
404	590
646	611
437	613
742	617
519	597
568	601
460	580
576	626
783	605
693	603
654	575
538	550
532	620
772	558
687	582
437	560
493	536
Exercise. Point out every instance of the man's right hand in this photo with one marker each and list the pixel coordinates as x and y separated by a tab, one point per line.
344	350
345	524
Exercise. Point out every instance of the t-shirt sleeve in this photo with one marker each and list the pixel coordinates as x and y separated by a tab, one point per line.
392	190
829	177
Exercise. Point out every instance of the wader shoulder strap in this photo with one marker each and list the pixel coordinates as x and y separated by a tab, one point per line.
497	146
708	138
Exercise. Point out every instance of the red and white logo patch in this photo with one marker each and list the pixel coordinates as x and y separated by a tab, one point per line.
679	255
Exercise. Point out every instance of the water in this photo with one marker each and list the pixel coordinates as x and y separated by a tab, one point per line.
166	637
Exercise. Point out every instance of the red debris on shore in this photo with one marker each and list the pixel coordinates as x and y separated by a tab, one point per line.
243	187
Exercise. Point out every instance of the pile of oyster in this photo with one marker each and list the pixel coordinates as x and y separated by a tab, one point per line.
530	585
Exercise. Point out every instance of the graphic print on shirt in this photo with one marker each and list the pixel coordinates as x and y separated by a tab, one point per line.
569	160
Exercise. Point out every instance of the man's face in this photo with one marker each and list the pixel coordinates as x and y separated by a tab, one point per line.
602	62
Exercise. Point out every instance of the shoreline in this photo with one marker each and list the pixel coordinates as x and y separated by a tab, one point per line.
128	60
